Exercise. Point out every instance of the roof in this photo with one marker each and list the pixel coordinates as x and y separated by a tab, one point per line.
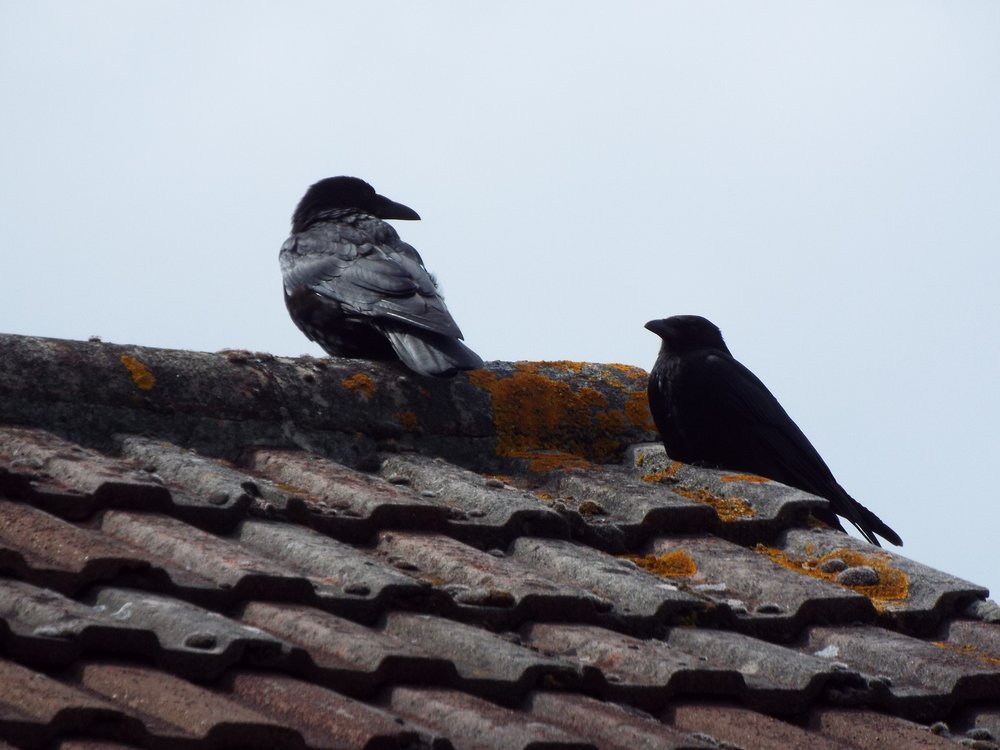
235	549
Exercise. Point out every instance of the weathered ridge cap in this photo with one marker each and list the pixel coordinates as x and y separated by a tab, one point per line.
539	415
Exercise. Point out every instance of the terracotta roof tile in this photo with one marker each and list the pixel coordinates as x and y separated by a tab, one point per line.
49	551
76	480
346	580
346	655
174	708
192	556
475	723
911	596
870	731
749	508
487	663
921	678
751	593
354	557
748	730
36	709
629	596
982	723
693	662
480	508
611	726
329	719
504	589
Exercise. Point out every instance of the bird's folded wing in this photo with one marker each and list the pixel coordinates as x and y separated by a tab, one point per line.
745	403
368	280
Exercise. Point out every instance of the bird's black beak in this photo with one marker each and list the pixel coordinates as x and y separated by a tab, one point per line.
387	209
659	327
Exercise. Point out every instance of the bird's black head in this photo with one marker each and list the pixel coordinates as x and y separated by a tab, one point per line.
686	333
346	192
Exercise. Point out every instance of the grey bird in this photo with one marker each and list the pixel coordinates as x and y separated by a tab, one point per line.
355	288
712	411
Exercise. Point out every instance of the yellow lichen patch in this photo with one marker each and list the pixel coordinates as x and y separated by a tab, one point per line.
727	508
535	413
612	422
590	508
630	371
892	586
667	473
637	411
752	478
669	565
361	383
408	420
141	375
541	462
965	648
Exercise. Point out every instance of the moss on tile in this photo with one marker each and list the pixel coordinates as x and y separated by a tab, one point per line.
727	508
540	417
668	473
360	383
141	376
752	478
675	564
893	586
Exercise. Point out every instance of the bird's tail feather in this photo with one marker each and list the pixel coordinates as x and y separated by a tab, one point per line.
429	353
867	522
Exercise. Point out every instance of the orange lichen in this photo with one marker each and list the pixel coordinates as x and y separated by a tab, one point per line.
141	375
727	508
360	382
669	565
592	397
612	422
590	508
968	649
667	473
544	419
541	462
409	420
630	371
637	411
753	478
892	586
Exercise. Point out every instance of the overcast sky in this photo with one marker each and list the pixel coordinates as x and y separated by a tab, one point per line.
820	179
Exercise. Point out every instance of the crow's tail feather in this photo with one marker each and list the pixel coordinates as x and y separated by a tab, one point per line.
430	353
864	520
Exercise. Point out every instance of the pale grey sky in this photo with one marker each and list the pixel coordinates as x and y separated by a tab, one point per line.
820	179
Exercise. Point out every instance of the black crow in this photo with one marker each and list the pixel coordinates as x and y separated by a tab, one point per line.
712	411
358	290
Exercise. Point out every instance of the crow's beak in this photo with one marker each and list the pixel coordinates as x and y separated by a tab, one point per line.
387	209
659	327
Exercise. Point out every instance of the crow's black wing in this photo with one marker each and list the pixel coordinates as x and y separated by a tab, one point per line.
369	279
748	430
735	422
